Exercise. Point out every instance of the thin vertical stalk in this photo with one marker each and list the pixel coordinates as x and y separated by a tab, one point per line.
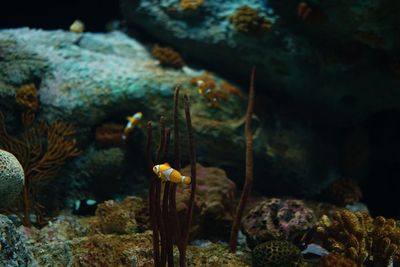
192	154
165	202
249	167
153	219
161	226
173	215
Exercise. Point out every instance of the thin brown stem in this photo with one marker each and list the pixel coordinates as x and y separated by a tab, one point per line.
249	167
161	226
192	153
165	202
153	219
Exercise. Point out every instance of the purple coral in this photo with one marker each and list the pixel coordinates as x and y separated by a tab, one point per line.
277	219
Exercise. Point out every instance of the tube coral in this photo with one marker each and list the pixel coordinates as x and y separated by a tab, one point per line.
249	167
164	222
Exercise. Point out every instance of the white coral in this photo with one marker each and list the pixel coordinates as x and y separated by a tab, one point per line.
11	178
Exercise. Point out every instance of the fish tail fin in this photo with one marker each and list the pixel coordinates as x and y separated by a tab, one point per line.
186	180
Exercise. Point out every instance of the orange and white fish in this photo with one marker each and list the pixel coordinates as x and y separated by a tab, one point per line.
77	26
167	173
132	122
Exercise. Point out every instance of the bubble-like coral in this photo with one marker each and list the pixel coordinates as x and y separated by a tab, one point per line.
276	253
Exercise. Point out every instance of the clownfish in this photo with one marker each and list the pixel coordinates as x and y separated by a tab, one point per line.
77	26
132	122
167	173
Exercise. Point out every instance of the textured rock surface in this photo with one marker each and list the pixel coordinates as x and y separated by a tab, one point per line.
339	59
90	79
71	241
11	178
13	247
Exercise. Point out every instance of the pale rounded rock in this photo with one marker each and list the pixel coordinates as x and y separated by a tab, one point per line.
11	178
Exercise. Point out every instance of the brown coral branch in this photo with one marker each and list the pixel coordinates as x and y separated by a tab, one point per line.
249	167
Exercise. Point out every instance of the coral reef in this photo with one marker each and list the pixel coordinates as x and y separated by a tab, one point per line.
113	250
276	253
13	247
277	219
11	178
74	241
343	191
109	134
249	20
336	260
167	56
42	150
214	202
360	238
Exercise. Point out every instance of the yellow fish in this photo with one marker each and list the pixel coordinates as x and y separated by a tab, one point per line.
167	173
132	122
77	26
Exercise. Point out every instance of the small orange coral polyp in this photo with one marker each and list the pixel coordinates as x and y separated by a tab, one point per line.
248	20
167	56
191	5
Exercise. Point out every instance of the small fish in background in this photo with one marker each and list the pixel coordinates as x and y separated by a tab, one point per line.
132	122
166	173
77	26
85	207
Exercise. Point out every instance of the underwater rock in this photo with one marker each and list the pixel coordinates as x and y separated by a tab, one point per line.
214	202
13	247
277	219
11	178
91	79
339	61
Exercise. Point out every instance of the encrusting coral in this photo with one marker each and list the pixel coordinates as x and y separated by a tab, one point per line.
276	253
248	20
360	238
167	56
